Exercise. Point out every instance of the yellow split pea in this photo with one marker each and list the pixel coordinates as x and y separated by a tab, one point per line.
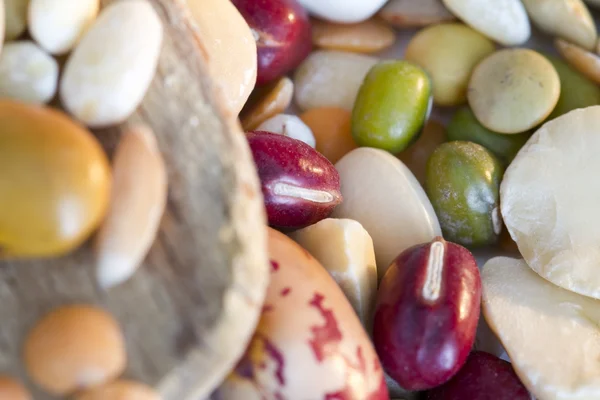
513	90
449	53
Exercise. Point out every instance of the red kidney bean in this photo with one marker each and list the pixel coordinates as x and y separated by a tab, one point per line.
299	185
483	377
426	314
283	35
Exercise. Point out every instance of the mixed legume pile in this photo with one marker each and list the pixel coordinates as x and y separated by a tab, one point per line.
372	203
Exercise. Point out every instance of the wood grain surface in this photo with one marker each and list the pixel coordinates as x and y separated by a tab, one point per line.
190	310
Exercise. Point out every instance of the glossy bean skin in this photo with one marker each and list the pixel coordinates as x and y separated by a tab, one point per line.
392	106
483	377
426	314
283	35
299	185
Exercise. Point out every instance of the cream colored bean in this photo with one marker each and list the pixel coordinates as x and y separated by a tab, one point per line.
449	53
374	183
513	90
27	73
290	126
582	60
57	25
138	202
346	251
231	49
548	201
504	21
410	13
16	18
567	19
550	334
331	79
109	72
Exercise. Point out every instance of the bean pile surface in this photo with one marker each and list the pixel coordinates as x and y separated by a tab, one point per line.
382	174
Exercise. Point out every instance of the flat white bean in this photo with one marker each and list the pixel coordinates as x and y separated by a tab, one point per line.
57	25
27	73
110	70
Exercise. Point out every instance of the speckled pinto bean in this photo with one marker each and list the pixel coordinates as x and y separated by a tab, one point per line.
308	332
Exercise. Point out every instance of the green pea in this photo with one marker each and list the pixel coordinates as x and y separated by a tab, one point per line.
392	106
464	126
580	92
463	180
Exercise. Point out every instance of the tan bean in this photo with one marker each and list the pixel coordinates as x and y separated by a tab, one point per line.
368	36
74	347
414	14
582	60
11	389
332	129
267	101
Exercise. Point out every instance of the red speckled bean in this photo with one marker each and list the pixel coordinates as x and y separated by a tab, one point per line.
309	343
299	185
426	314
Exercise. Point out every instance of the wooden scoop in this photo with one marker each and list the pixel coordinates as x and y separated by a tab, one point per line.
189	312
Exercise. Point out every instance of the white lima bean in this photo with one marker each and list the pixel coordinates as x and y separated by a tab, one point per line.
110	70
139	196
57	25
15	12
290	126
27	73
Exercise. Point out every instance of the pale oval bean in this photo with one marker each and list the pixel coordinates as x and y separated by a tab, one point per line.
27	73
57	25
504	21
230	46
330	79
384	196
345	250
290	126
110	70
567	19
138	201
